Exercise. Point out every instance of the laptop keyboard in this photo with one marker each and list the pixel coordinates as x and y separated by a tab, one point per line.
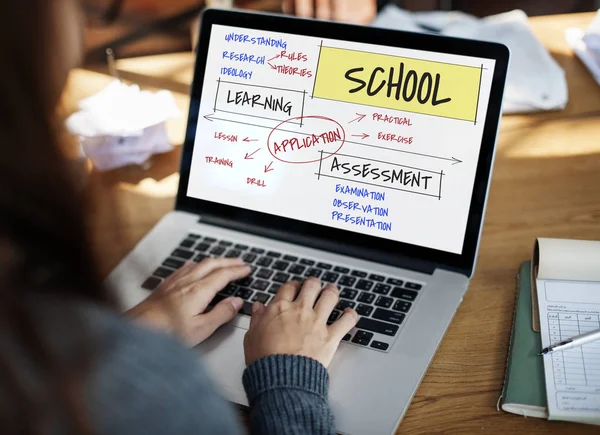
382	302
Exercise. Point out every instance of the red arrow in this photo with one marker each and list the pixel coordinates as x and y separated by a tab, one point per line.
249	156
272	66
274	57
268	168
360	118
247	139
362	136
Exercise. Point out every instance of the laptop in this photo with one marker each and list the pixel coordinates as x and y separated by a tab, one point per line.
358	155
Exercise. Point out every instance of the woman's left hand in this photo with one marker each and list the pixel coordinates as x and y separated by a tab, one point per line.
180	302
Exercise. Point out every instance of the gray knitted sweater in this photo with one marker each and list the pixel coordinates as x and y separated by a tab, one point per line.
145	382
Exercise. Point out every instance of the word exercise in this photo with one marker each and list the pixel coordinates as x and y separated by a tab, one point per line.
372	139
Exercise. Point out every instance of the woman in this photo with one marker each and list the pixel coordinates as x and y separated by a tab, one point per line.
69	363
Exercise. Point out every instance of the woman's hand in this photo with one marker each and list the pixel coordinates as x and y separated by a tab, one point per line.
347	11
179	303
296	325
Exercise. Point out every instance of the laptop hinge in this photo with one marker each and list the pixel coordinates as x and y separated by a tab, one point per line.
324	244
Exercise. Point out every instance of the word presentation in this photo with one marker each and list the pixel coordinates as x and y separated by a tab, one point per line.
372	139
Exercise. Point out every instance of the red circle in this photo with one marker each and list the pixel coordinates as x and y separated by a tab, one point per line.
306	117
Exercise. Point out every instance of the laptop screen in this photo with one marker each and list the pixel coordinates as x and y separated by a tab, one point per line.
371	139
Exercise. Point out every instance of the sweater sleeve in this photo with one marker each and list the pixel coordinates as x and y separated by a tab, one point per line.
288	396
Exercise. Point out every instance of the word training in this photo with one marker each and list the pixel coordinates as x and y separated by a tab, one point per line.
269	102
425	88
219	161
256	40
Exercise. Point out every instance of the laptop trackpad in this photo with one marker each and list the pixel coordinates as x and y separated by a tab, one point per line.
223	354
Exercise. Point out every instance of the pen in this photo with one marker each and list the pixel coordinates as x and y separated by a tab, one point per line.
570	343
110	60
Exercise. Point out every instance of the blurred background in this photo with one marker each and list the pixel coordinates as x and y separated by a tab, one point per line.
143	27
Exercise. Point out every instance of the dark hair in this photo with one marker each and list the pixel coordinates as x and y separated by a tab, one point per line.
44	246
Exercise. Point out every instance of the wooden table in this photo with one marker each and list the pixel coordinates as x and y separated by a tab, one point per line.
546	183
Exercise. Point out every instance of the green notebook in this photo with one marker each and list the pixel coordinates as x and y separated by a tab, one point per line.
524	391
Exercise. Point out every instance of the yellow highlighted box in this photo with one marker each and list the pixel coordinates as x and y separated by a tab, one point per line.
432	88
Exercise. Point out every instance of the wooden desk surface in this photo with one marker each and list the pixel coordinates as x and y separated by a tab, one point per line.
546	183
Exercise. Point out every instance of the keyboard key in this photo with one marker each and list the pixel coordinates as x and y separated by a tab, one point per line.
343	304
413	285
280	265
248	258
241	247
264	273
362	337
378	278
182	253
367	298
200	257
290	258
229	290
202	247
193	236
307	262
347	337
341	269
348	293
325	266
281	277
274	254
363	284
313	272
359	273
394	281
401	306
347	280
246	309
259	284
233	253
261	297
151	283
187	243
379	345
257	250
384	302
400	293
388	316
333	316
296	269
264	261
244	282
274	288
244	293
377	326
330	277
209	240
217	250
364	310
382	289
173	263
163	272
225	243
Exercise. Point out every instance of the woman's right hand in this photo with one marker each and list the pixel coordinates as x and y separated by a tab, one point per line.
294	324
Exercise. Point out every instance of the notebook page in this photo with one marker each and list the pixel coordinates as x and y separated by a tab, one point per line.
567	309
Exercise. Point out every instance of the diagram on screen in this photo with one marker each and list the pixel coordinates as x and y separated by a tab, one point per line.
363	130
385	89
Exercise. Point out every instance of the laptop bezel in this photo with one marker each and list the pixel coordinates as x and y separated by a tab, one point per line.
296	231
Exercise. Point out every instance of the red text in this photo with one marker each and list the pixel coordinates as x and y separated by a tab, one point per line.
219	161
